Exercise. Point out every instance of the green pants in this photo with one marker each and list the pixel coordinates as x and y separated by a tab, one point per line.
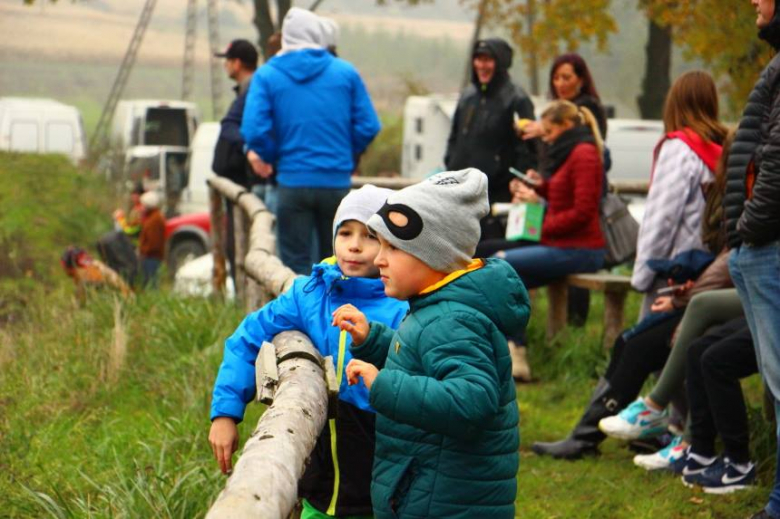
309	512
704	311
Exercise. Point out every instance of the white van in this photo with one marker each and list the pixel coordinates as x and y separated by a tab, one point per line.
148	122
195	198
41	126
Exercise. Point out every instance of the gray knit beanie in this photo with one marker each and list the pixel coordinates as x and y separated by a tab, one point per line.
443	215
360	205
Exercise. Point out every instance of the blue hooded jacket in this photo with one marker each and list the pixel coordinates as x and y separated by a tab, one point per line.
308	113
306	307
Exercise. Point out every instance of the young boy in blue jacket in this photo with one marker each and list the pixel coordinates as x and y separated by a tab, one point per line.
447	421
336	482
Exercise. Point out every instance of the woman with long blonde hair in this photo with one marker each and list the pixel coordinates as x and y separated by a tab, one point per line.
571	239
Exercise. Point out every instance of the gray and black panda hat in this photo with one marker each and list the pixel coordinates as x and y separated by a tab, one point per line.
442	216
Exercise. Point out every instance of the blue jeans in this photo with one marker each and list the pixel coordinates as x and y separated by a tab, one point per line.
756	274
538	265
300	211
268	194
149	267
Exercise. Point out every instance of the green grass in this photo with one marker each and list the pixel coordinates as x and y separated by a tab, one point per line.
46	204
94	426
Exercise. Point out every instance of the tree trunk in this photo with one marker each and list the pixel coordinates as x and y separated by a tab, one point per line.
264	24
658	64
533	62
264	21
474	39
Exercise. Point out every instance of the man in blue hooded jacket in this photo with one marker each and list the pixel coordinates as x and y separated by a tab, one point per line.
309	115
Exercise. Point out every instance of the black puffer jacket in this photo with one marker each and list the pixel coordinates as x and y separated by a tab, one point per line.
483	134
757	221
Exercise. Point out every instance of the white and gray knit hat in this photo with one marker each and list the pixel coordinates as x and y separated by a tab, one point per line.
360	205
443	214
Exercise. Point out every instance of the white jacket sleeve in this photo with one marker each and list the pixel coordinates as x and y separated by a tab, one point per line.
675	177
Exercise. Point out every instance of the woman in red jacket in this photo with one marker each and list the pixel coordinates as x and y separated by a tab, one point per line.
571	241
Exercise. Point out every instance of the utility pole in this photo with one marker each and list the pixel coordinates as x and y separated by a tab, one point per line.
188	66
100	137
214	63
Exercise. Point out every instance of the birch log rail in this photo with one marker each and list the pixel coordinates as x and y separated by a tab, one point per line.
255	244
264	483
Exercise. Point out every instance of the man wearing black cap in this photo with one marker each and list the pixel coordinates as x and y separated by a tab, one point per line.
229	158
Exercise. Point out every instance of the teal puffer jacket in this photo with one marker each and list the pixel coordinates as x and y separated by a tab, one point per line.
447	423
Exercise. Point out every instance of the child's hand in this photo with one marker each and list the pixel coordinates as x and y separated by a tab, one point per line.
352	321
358	368
223	438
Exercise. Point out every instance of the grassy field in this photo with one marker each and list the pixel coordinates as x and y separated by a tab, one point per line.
104	408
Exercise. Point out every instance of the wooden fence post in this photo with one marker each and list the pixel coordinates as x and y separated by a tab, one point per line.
240	239
264	483
219	272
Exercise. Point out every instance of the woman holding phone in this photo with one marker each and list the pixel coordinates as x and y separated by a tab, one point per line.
571	241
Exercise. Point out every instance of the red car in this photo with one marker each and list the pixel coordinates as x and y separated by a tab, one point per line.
186	237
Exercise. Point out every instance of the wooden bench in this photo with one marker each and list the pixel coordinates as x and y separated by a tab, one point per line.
615	288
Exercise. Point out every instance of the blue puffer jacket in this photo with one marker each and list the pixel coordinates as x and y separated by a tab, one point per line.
306	307
309	114
447	421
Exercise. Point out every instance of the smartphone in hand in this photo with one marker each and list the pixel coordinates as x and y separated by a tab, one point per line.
669	290
525	178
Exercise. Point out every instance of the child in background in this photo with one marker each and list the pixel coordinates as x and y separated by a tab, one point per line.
336	482
447	420
151	242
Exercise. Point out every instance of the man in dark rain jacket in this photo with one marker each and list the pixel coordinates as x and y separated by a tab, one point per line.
483	134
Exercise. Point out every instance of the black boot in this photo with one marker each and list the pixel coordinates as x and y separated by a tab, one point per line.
586	436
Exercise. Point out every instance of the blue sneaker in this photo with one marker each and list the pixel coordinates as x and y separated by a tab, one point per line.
693	465
723	477
678	465
662	459
635	421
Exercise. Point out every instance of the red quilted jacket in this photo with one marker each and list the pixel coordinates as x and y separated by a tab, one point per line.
573	196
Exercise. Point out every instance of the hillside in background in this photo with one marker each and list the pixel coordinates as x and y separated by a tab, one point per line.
71	51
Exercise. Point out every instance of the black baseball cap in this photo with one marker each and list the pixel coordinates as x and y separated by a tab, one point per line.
241	50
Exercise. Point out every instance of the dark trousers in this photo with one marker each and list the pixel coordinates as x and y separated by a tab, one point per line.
716	362
633	360
149	268
299	211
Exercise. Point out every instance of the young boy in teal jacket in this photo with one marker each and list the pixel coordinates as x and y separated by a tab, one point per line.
337	481
447	420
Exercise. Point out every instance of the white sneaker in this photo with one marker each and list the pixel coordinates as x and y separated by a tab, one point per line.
635	421
520	369
663	458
